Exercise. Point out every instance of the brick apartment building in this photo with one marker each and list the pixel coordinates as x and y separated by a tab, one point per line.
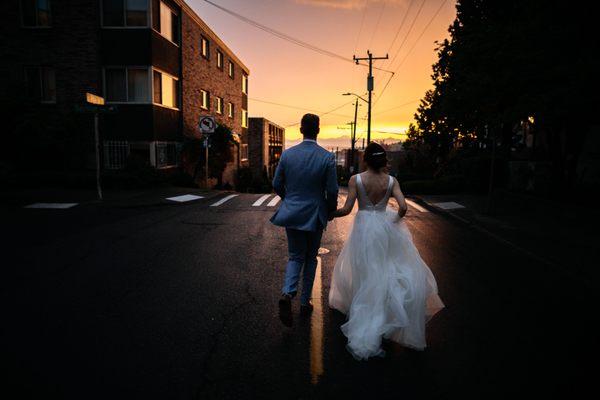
266	142
157	60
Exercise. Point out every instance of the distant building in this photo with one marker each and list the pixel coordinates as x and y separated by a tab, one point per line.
157	60
266	142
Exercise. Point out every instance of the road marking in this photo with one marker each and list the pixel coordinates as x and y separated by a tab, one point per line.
223	200
449	205
184	198
316	328
57	206
416	206
274	201
262	199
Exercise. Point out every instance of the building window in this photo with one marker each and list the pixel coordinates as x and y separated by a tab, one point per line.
165	89
230	110
205	47
219	107
36	13
167	154
169	23
245	84
244	118
231	70
41	84
205	100
116	153
127	84
124	13
219	60
244	152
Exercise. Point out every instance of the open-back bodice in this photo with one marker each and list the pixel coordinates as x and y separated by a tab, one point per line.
364	203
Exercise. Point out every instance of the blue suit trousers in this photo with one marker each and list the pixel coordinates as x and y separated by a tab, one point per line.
303	247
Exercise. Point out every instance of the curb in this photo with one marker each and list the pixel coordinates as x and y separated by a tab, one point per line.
474	226
439	211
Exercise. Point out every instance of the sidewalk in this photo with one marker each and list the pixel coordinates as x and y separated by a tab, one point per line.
562	237
122	198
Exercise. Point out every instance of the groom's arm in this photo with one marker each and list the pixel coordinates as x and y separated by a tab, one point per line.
279	178
331	185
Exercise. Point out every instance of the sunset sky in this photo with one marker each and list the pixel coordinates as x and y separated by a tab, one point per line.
282	72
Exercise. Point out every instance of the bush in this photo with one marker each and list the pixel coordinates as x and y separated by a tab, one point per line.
249	183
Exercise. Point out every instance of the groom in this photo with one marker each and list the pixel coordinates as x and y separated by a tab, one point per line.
306	181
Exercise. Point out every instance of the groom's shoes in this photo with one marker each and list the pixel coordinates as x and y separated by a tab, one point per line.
285	310
306	309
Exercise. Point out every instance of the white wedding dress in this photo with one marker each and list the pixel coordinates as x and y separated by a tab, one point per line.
380	281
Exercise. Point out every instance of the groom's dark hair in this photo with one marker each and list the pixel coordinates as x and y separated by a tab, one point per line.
309	126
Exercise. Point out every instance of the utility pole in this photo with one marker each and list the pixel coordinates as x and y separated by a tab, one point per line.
353	140
370	85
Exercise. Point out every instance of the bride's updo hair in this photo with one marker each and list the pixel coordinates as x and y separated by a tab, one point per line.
375	156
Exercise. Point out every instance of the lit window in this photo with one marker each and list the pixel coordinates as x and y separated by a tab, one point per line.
36	13
219	106
205	100
41	84
245	84
205	47
244	118
219	59
230	110
166	89
168	23
125	13
127	84
231	69
244	152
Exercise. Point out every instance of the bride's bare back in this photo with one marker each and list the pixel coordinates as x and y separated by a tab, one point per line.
376	185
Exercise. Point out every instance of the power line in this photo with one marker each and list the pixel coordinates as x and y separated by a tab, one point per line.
422	33
294	107
400	27
284	36
325	113
400	48
377	24
362	22
399	106
413	46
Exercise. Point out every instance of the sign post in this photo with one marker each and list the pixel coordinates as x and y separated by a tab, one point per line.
95	104
207	126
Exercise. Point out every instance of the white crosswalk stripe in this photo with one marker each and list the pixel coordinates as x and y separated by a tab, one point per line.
262	199
448	205
224	200
274	201
184	198
416	206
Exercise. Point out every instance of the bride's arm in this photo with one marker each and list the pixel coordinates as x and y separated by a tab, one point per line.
397	193
349	205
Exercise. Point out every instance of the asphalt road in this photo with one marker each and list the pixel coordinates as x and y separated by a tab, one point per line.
179	301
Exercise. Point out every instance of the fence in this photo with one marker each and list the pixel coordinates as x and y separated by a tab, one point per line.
116	153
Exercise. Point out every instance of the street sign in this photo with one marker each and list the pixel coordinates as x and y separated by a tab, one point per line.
93	99
207	124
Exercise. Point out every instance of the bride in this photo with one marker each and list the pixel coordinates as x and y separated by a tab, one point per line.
380	281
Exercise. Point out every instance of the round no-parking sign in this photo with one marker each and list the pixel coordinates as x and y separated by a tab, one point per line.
207	124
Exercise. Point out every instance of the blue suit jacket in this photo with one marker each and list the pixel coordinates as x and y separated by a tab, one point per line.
306	181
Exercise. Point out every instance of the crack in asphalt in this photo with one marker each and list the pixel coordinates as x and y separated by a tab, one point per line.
207	359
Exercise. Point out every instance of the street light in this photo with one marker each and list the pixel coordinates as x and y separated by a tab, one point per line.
354	94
